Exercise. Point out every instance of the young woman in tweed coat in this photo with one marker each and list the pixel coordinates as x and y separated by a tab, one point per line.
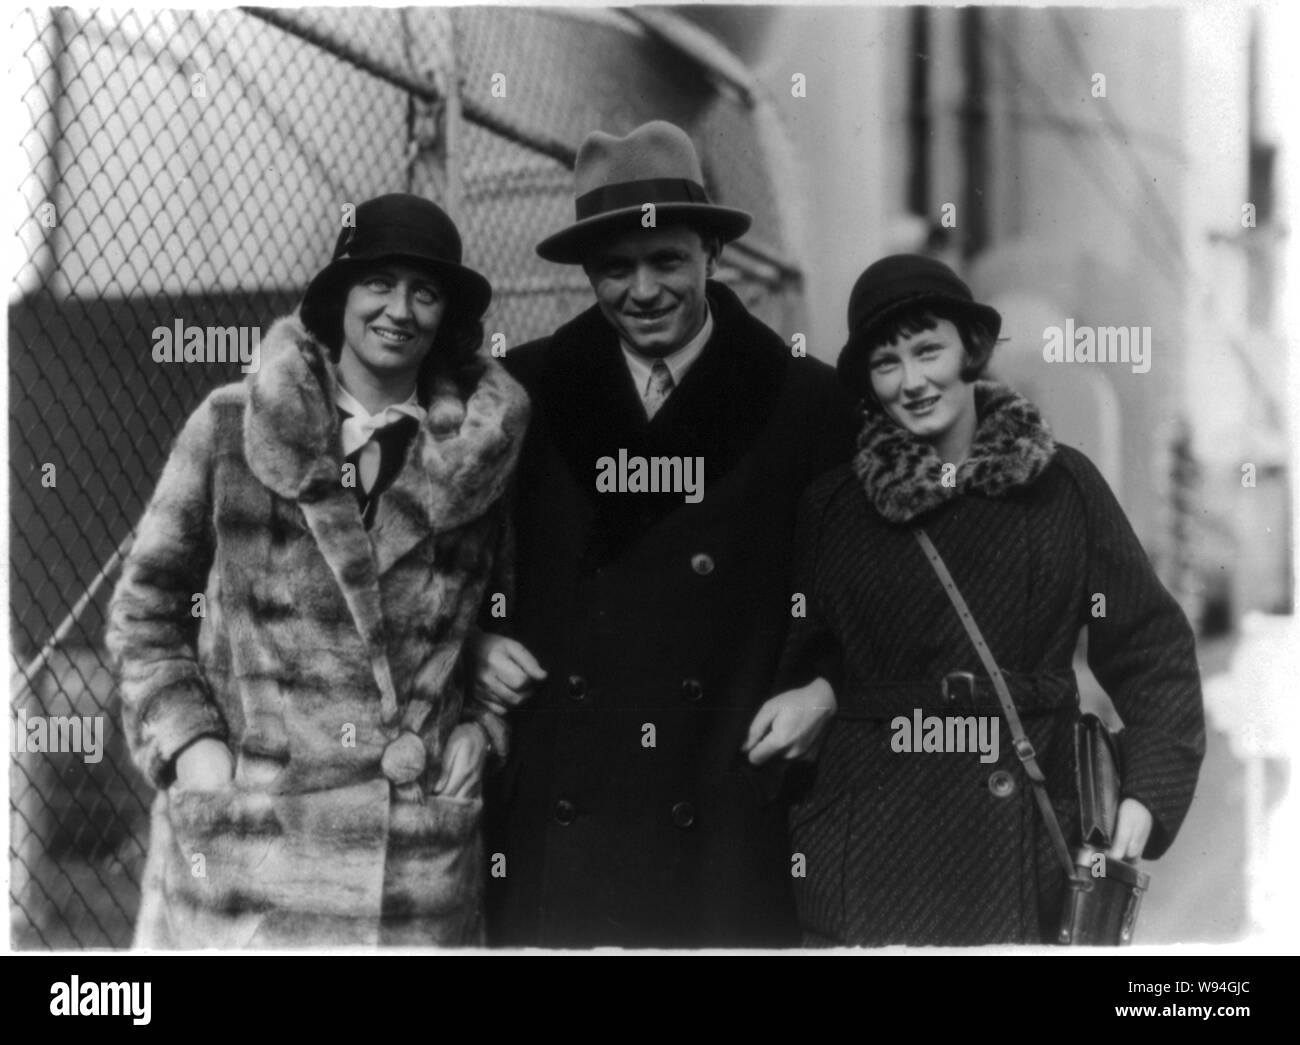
289	620
925	847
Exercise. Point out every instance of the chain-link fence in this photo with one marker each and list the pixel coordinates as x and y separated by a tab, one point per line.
191	167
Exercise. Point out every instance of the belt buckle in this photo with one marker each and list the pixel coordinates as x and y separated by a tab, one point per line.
958	681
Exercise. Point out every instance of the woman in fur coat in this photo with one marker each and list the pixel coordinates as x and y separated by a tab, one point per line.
904	844
288	623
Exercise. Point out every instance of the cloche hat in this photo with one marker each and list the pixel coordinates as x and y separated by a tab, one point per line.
399	226
894	283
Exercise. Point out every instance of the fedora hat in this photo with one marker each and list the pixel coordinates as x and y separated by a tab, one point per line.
613	178
896	283
398	227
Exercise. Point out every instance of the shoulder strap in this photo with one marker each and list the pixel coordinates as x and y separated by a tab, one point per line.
1024	749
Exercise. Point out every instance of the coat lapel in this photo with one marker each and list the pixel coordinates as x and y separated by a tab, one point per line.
591	402
458	465
335	524
727	398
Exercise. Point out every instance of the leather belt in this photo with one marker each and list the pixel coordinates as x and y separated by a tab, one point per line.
959	693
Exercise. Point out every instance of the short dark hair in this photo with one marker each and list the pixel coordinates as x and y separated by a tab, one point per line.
455	345
710	237
976	338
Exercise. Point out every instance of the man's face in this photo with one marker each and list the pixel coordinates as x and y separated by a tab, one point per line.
649	284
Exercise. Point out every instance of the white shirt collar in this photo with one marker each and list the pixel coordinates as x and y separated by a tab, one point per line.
678	362
358	429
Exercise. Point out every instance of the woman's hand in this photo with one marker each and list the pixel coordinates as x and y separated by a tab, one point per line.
1132	829
463	760
205	765
505	673
791	723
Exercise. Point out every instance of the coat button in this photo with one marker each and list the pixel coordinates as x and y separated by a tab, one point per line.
577	687
702	564
683	814
565	812
1002	784
692	690
403	759
958	686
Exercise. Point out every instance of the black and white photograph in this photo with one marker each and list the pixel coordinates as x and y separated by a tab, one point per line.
704	478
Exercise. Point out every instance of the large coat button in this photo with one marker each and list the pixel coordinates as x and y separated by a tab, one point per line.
702	563
565	812
683	814
1002	784
692	690
404	759
577	687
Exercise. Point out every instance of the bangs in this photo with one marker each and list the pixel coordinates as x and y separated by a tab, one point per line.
977	339
905	323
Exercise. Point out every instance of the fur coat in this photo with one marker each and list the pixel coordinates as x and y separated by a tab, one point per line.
254	607
948	847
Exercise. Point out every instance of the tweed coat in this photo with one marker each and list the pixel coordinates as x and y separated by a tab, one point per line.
940	847
315	644
627	814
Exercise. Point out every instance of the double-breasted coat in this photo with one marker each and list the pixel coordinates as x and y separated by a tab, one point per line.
943	847
254	607
626	813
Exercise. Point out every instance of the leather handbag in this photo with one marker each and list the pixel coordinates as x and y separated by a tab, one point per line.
1101	905
1102	894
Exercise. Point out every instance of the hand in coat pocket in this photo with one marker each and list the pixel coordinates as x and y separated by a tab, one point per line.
205	765
791	723
463	760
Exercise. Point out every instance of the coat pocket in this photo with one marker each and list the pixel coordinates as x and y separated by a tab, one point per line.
435	874
818	830
310	863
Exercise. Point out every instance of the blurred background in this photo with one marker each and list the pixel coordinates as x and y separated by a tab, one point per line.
1113	167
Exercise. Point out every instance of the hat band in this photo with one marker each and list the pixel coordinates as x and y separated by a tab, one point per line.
625	194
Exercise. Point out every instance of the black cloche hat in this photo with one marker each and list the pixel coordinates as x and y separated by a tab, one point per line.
894	283
399	226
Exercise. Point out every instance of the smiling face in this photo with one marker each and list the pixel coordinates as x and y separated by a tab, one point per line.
649	284
917	379
392	312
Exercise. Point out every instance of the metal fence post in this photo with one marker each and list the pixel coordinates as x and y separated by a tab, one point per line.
431	157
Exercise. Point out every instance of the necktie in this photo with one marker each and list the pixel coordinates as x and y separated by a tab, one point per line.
367	434
657	388
387	449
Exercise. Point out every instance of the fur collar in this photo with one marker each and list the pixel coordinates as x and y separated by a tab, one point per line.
457	467
903	476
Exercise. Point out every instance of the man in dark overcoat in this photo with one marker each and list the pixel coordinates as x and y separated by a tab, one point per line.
672	436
